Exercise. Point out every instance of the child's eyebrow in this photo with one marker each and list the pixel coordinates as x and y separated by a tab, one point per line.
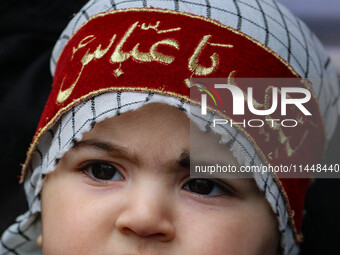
114	149
107	148
184	160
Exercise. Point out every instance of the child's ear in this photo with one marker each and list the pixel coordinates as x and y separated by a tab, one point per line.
39	241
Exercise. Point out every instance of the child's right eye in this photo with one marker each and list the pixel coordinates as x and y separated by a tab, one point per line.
102	171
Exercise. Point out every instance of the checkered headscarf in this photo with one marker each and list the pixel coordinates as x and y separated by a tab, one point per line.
264	20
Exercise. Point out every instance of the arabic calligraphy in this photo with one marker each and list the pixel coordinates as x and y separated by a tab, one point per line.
87	58
193	61
153	55
155	27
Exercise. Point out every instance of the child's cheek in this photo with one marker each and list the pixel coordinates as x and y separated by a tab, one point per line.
235	230
73	216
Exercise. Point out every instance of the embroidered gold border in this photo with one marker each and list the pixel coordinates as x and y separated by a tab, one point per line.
162	92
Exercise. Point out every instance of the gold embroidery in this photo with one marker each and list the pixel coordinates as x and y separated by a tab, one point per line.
289	150
161	57
266	134
168	30
300	120
141	56
221	45
188	83
98	53
155	27
83	43
118	55
154	55
63	95
276	55
195	67
87	58
230	80
118	72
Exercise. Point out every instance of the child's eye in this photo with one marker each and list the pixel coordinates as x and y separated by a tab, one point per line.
102	171
207	187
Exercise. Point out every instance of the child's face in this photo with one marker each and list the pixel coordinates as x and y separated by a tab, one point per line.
125	190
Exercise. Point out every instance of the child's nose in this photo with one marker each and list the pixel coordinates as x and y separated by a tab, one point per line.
147	214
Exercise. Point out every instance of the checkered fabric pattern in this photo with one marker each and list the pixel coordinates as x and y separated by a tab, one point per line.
264	20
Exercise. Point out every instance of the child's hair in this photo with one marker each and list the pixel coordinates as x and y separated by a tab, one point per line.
95	79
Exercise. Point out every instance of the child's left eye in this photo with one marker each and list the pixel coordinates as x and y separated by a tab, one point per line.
207	187
102	171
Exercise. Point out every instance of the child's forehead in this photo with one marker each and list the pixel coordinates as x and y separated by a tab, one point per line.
153	131
151	124
158	125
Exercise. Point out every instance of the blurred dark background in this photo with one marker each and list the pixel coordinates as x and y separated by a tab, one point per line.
28	31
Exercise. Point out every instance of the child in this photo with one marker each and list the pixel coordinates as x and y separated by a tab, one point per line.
108	169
